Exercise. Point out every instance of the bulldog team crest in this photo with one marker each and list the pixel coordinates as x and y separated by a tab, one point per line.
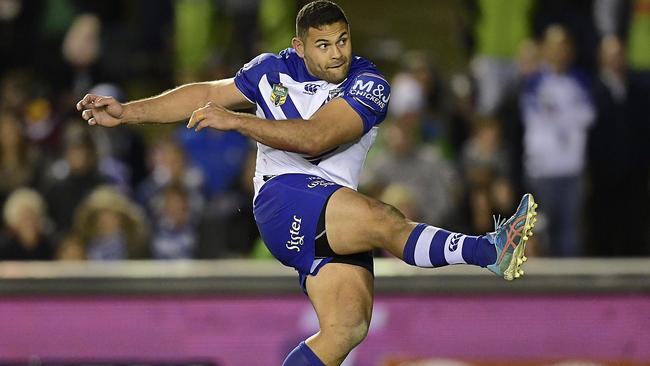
279	94
337	92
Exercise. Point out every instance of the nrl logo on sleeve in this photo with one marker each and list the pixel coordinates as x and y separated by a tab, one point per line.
279	94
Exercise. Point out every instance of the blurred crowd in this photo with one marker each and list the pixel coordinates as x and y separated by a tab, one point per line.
554	100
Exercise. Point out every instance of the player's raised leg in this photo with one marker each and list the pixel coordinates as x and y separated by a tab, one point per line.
342	297
356	223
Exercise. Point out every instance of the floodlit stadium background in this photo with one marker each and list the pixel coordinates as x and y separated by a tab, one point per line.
196	285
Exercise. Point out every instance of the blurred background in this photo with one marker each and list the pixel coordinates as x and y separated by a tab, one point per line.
490	99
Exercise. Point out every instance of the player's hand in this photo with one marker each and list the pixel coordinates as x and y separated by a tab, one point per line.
100	110
213	116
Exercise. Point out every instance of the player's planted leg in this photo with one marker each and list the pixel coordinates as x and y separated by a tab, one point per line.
342	297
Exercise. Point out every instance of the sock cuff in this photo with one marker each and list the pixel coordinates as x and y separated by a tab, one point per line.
409	249
311	356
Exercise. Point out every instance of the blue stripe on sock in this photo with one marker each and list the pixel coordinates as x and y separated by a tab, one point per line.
409	248
479	251
437	248
488	251
469	249
302	356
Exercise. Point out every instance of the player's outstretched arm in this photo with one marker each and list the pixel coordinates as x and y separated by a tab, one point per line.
335	124
171	106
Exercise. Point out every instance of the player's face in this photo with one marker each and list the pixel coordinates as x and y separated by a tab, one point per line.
327	51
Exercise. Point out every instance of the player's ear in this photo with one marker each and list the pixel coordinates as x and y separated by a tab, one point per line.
299	46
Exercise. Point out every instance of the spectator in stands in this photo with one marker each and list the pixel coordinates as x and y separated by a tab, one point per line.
462	112
619	157
43	128
576	18
557	112
16	86
81	48
220	156
111	226
627	20
171	167
20	162
528	64
25	236
71	248
412	85
73	177
175	230
417	95
500	29
121	150
418	167
486	168
227	228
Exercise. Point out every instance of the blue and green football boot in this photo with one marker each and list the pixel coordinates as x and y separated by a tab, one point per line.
510	237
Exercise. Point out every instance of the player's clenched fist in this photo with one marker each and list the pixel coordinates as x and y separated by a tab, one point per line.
100	110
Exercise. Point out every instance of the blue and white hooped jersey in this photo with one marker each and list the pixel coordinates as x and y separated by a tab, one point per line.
281	88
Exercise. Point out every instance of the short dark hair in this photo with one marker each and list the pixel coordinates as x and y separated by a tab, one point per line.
316	14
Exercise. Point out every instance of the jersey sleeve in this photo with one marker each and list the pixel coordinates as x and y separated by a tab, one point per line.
368	94
248	77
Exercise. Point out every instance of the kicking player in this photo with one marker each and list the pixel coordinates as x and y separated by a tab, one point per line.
318	108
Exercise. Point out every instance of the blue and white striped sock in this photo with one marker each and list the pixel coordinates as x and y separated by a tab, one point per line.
302	356
429	246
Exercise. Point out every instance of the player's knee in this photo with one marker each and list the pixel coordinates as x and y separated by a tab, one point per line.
347	335
358	333
389	221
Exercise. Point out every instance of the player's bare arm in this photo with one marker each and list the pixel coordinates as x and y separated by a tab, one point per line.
171	106
334	124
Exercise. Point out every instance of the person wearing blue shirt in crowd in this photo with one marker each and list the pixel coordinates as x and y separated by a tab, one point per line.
317	111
